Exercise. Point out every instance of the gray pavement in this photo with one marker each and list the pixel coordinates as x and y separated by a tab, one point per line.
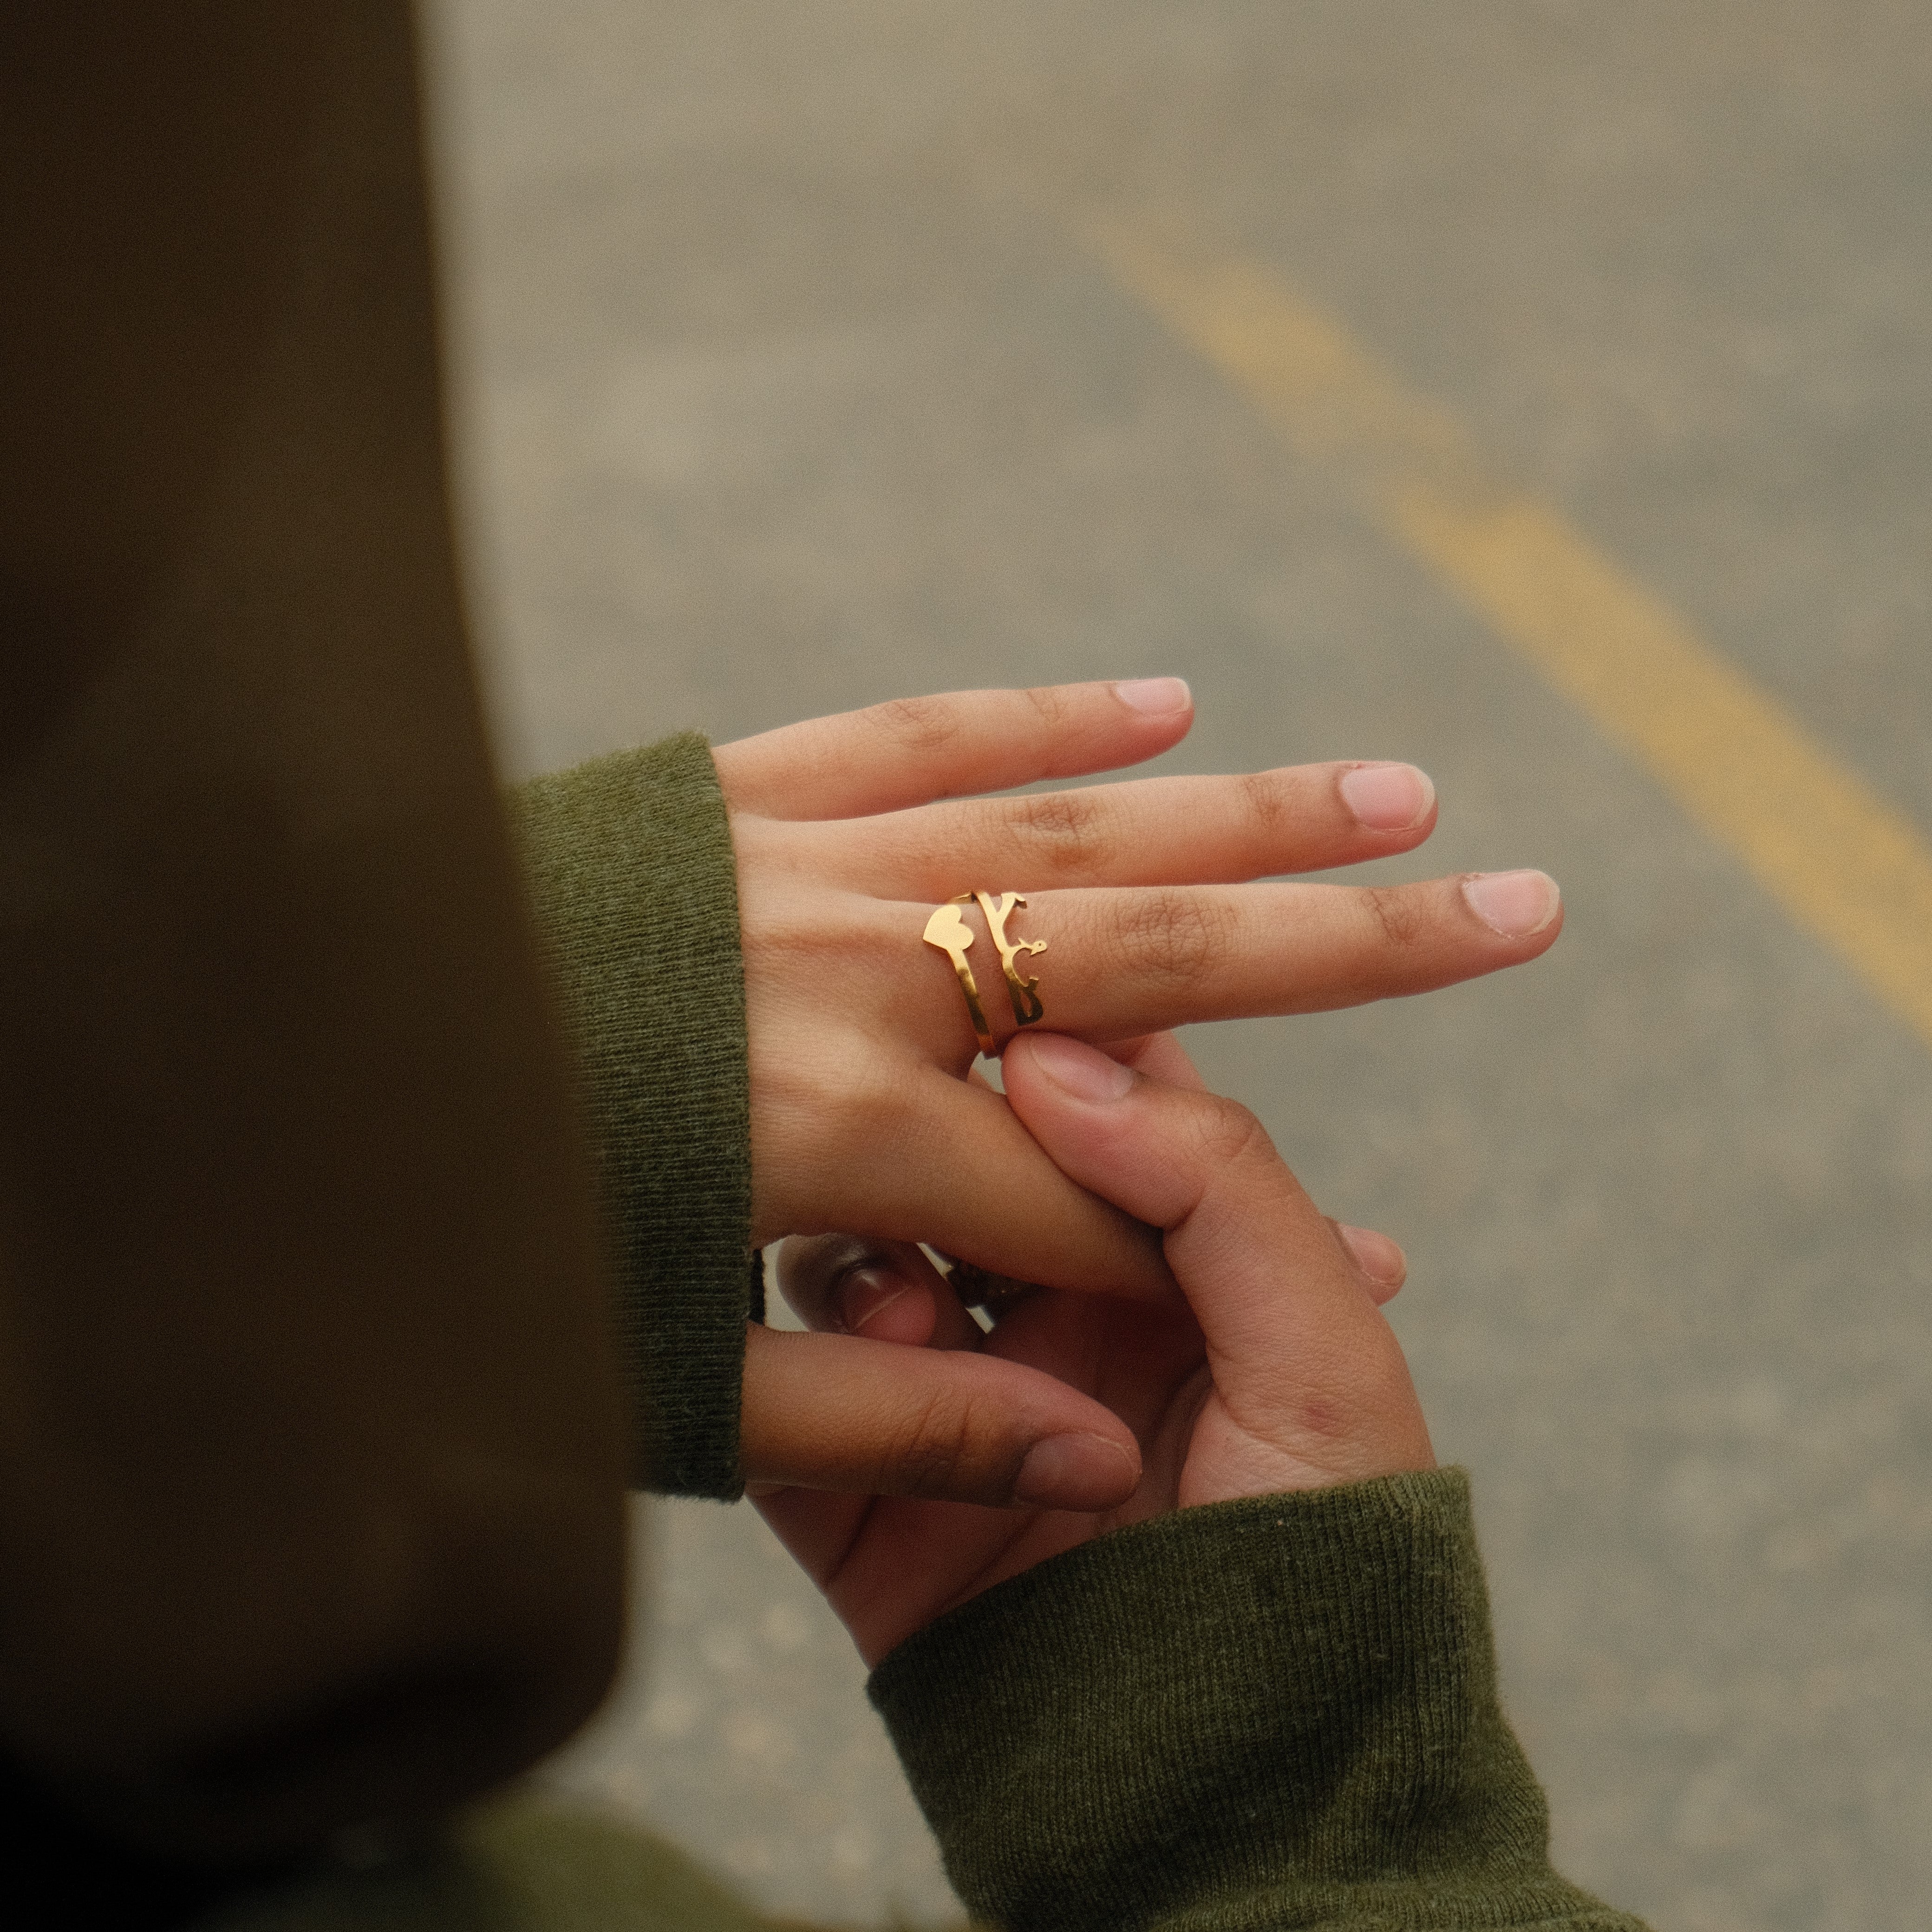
785	388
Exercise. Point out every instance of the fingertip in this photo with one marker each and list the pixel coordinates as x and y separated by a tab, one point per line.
1167	700
1380	1261
1515	905
1077	1471
1158	1056
1154	714
883	1306
1075	1069
1393	800
844	1285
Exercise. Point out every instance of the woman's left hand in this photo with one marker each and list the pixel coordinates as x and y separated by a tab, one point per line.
849	830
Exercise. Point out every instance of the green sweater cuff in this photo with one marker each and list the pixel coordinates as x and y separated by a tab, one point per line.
1280	1711
634	888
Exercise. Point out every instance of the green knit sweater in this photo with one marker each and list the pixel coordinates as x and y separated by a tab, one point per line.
632	877
1279	1712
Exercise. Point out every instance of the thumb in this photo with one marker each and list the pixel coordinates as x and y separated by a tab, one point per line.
1304	1366
846	1412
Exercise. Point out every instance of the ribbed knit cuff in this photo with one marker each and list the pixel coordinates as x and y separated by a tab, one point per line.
1278	1711
634	886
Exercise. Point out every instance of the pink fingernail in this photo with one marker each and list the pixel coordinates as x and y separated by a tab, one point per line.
1077	1069
864	1293
1513	904
1074	1472
1387	798
1375	1254
1159	697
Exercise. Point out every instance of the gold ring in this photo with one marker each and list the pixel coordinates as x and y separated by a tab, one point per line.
947	930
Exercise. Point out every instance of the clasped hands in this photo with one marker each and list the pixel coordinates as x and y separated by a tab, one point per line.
848	831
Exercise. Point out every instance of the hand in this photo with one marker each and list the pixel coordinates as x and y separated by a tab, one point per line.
1279	1373
860	1120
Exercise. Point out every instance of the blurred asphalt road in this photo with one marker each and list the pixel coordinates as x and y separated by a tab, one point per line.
786	385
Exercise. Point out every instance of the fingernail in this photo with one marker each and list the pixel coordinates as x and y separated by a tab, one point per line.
1387	798
1375	1254
1074	1472
1077	1069
863	1293
1513	903
1159	696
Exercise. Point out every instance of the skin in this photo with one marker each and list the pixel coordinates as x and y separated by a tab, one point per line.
1277	1373
1160	904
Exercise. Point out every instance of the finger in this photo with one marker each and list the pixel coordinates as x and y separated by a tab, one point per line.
1300	1354
1120	963
1162	1155
886	1291
1174	831
1379	1261
842	1412
931	1158
915	749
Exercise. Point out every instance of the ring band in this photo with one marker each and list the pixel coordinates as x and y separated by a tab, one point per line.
951	934
947	930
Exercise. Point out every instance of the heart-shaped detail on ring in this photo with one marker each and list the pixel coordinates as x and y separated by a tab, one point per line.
947	929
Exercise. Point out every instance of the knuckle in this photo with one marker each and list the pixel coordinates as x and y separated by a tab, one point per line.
782	941
1229	1134
1051	702
929	1454
1264	800
918	723
1397	914
1171	939
1064	828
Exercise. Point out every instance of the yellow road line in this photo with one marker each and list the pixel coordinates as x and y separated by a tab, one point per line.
1839	860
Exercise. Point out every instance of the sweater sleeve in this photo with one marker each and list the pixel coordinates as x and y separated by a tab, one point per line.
1276	1712
632	880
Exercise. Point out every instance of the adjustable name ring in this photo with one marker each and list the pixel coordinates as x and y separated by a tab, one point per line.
947	930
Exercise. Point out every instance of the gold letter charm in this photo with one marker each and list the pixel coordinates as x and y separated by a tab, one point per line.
1026	1007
